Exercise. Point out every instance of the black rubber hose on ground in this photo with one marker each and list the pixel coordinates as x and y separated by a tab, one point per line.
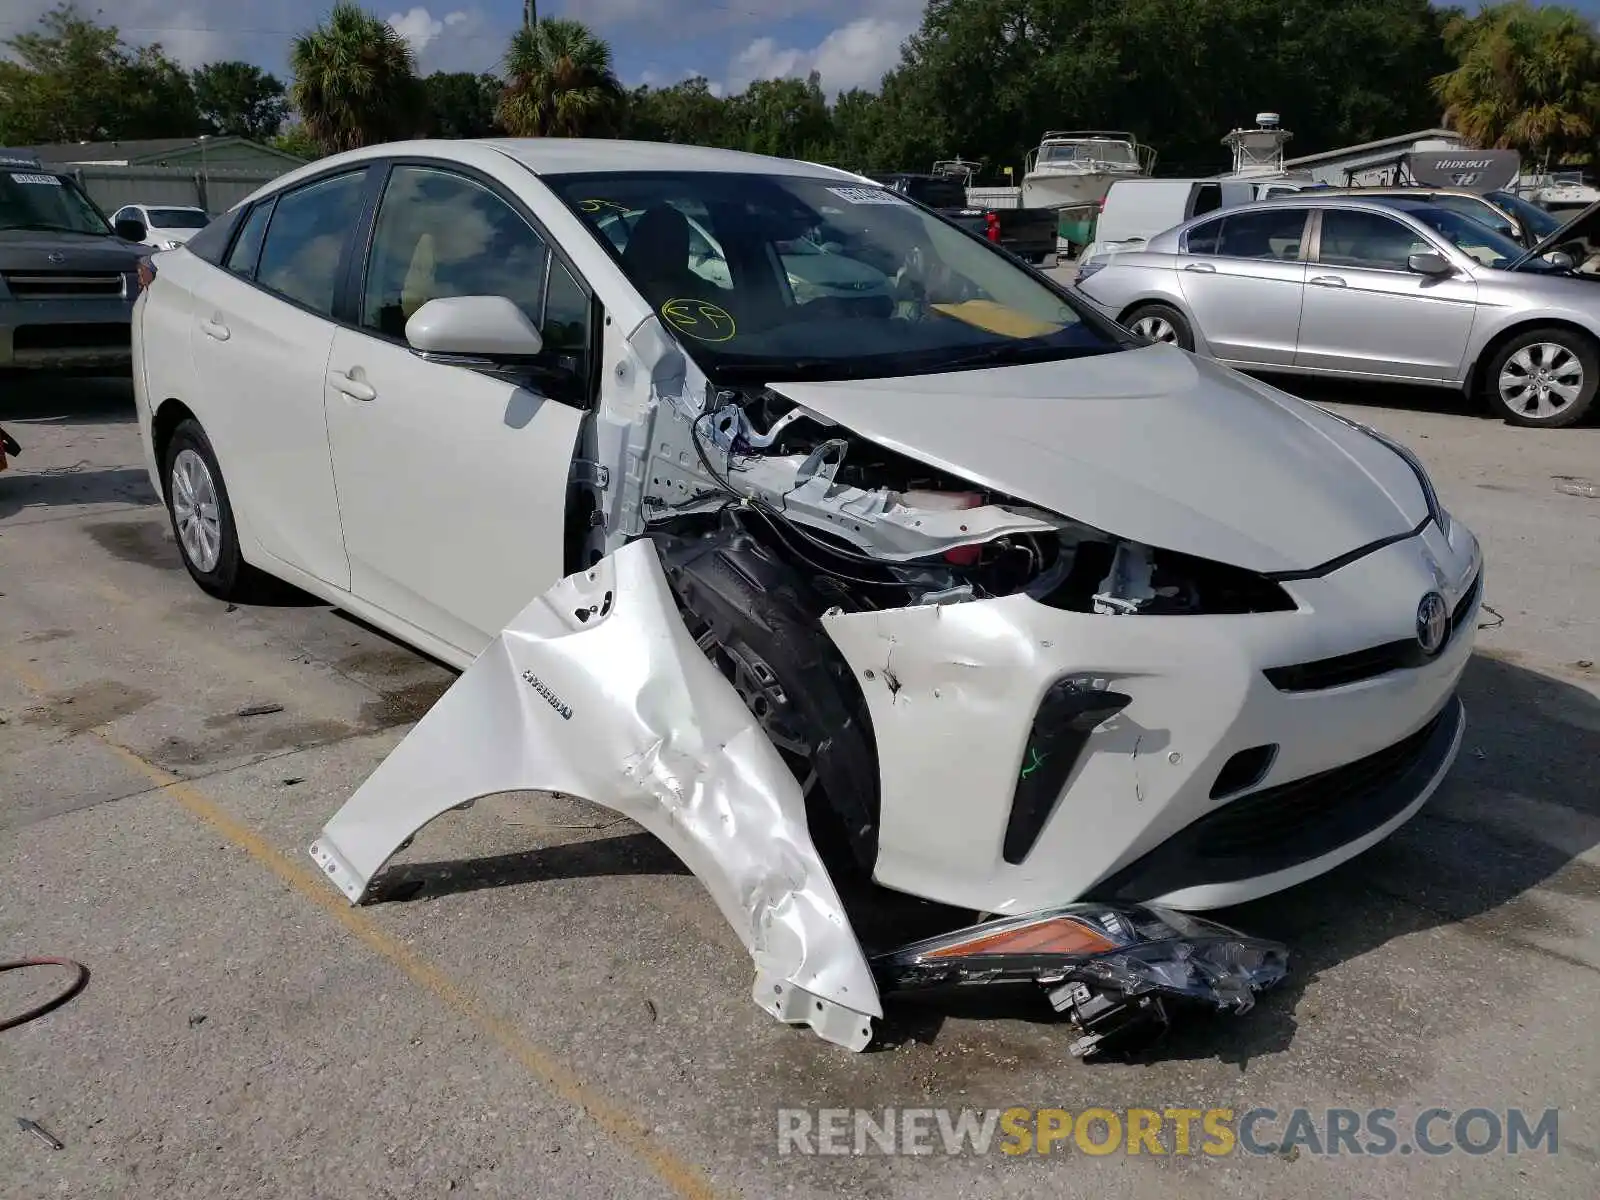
79	982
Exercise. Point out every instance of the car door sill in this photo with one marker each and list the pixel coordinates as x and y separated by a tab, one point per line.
415	639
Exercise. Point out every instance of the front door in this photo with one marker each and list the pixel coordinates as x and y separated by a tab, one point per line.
262	327
1242	278
453	483
1367	313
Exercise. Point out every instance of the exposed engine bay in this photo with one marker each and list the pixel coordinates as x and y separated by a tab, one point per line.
875	529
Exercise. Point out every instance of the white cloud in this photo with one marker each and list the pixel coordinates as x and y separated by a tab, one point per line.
857	54
460	40
419	27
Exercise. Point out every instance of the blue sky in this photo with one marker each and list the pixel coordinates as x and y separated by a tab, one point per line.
731	42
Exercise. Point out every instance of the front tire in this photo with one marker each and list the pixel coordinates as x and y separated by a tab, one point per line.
1160	324
202	518
1543	378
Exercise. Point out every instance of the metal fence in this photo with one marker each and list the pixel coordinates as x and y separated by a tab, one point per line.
215	190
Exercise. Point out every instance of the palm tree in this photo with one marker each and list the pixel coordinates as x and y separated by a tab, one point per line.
355	81
1529	79
559	82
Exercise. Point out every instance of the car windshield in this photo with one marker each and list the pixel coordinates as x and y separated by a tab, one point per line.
912	294
39	200
1541	221
1467	235
178	218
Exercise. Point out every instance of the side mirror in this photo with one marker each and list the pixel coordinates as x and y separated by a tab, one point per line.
472	330
1430	262
130	229
1560	260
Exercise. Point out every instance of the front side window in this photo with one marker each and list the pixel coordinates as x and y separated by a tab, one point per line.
47	203
1368	240
305	240
441	234
786	277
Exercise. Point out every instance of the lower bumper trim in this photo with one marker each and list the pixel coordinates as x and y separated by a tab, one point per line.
1282	828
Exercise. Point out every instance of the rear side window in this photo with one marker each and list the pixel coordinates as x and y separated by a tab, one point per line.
1273	234
242	259
306	238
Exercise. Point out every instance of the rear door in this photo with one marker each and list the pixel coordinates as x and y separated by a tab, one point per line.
261	330
452	482
1243	278
1367	313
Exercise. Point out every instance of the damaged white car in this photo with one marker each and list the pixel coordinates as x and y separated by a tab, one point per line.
949	588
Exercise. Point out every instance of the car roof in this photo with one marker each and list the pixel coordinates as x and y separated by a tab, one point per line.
1311	200
1403	189
564	156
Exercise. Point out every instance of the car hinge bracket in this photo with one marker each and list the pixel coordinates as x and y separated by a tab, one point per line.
591	474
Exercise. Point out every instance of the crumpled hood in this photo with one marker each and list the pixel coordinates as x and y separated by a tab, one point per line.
1154	444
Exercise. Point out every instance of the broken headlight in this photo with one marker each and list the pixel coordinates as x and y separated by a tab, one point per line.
1116	972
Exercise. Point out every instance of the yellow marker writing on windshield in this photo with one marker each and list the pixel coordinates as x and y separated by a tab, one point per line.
703	321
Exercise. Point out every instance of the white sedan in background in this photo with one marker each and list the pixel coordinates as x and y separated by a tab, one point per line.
167	226
1016	613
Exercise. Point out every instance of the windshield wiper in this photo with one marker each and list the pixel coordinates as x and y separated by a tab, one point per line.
1013	353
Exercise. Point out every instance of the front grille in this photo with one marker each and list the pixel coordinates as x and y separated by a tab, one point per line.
86	336
58	285
1403	655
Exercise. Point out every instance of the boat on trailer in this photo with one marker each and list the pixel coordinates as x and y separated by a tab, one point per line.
1072	168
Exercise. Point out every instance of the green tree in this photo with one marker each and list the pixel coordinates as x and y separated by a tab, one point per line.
239	99
1526	78
71	80
686	112
785	117
296	141
559	83
355	81
461	104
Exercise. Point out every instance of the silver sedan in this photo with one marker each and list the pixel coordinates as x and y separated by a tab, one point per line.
1399	290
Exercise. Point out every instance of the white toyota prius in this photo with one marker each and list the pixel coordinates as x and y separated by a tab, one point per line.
949	587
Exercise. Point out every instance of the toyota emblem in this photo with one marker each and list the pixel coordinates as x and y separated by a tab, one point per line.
1433	623
56	257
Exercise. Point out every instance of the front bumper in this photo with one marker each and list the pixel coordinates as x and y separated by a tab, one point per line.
953	691
66	333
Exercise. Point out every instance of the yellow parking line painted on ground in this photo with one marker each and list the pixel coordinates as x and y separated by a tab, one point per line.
626	1131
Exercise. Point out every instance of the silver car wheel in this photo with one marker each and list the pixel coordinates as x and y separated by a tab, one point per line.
196	512
1155	329
1540	381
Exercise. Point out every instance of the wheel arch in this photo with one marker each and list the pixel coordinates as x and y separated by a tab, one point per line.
170	413
1474	380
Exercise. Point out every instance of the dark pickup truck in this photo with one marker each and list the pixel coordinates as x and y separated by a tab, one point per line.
1029	233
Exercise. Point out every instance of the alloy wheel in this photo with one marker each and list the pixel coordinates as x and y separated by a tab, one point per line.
195	511
1155	329
1541	381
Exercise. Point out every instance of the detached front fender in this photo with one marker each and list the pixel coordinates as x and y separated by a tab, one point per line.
597	690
